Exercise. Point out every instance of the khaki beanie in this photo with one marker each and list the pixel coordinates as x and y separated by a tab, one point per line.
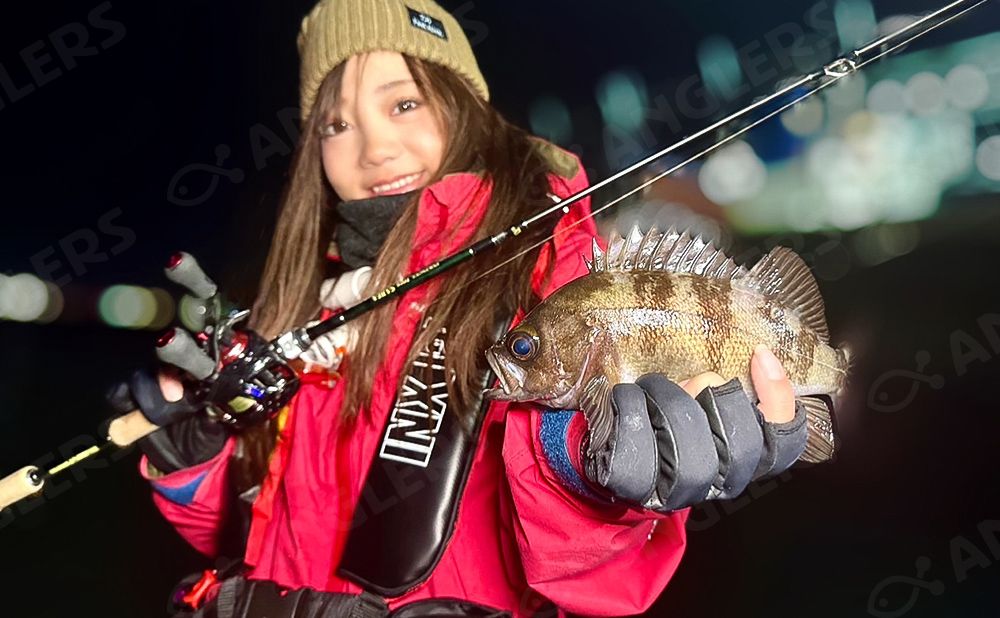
335	30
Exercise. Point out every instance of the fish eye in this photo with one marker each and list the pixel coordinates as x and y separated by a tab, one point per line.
523	346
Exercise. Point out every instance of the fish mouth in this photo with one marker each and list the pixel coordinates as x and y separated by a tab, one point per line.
511	378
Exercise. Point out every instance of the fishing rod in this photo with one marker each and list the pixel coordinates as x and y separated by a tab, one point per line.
247	379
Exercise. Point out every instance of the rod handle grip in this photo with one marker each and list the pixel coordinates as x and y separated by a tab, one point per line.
19	485
129	428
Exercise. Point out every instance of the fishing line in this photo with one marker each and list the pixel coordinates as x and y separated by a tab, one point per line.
291	344
130	427
848	67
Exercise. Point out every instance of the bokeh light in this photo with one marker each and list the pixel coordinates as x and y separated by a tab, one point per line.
621	95
968	87
925	94
988	158
720	66
192	312
733	174
127	306
806	118
887	97
24	298
856	23
550	118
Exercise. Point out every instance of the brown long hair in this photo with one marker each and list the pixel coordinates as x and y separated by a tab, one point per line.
478	139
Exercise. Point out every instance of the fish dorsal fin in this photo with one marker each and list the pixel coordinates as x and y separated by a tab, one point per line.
672	251
782	275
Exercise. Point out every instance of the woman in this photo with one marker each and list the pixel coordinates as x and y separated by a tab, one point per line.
388	485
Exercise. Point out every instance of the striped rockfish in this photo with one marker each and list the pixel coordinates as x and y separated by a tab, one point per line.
672	304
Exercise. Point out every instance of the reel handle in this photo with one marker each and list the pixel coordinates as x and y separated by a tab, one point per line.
178	348
184	270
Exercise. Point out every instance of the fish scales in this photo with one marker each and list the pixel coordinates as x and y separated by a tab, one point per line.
702	326
672	304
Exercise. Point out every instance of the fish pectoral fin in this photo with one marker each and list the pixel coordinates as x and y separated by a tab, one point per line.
595	403
821	442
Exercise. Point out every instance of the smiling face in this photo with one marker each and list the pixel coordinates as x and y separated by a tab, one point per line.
381	136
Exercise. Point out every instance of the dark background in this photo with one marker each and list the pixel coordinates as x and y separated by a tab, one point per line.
188	76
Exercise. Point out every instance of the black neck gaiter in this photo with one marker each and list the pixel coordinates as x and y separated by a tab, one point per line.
363	225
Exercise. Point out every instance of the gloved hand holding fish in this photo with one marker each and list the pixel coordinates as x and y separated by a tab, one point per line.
658	308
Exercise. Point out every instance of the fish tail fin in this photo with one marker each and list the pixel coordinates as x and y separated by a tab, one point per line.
821	440
844	358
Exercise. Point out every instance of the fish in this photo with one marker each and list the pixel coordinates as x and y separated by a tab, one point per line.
672	303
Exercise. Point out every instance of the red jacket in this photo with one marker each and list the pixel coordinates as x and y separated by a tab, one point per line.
523	532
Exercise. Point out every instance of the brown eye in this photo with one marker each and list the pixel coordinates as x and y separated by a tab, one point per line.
406	105
523	346
333	128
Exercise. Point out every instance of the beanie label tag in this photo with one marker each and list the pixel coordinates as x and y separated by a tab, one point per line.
425	22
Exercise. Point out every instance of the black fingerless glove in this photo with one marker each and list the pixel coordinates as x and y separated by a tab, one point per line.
187	437
669	450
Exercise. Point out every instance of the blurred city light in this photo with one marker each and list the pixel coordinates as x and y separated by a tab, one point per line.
126	306
192	312
165	309
720	66
968	87
621	95
55	305
988	158
856	23
733	174
925	94
549	118
880	243
26	298
806	118
888	153
887	97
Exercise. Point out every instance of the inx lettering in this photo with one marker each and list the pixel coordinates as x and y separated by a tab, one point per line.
416	418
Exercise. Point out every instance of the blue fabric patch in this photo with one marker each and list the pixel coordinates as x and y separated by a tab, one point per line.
183	495
553	434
